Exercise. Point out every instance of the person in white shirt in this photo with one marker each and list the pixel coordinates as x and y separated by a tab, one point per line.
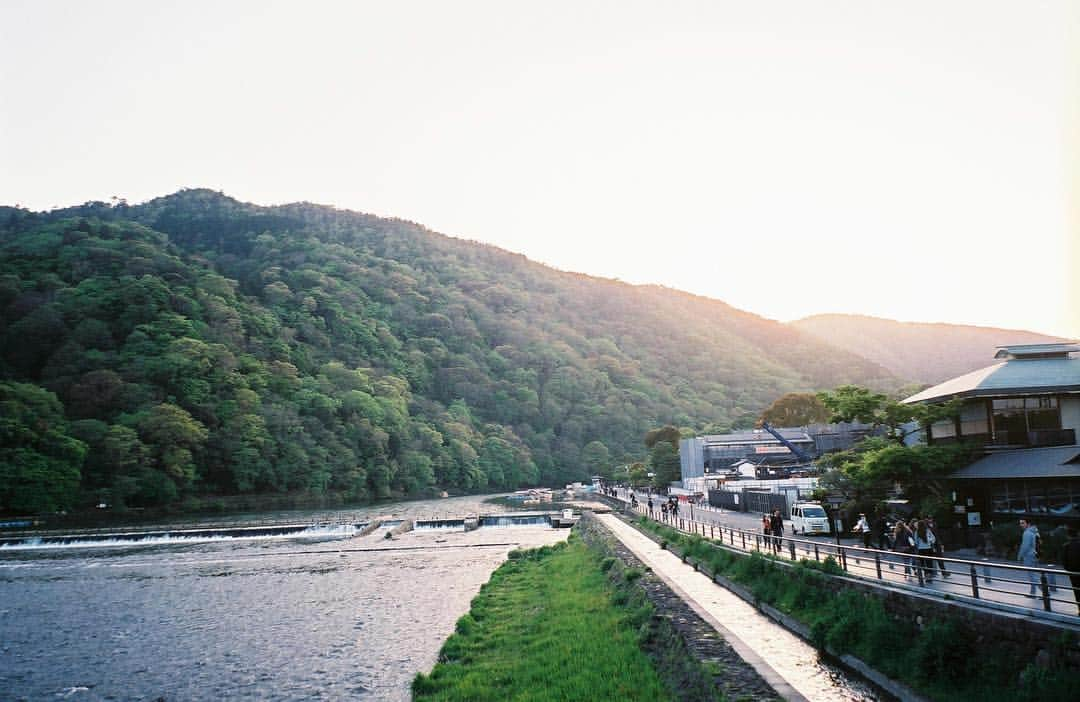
863	527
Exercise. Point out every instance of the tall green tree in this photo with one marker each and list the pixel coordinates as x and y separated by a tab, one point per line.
39	461
664	464
597	459
795	409
851	403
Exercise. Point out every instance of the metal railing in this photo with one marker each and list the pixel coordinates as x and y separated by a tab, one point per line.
958	578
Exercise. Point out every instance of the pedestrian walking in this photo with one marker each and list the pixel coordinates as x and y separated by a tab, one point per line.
924	546
939	546
863	527
1070	559
904	544
1028	552
776	527
650	508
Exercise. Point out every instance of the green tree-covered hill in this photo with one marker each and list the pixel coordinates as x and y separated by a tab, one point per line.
196	345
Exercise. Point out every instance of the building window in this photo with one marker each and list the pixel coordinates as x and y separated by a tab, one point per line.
943	430
973	421
1014	417
1052	499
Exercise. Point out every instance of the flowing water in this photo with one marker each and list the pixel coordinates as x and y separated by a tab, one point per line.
321	614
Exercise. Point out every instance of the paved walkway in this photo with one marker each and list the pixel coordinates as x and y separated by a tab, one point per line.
788	663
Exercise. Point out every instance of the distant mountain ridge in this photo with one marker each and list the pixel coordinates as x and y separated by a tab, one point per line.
922	352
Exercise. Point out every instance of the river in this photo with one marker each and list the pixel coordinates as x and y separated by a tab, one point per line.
323	616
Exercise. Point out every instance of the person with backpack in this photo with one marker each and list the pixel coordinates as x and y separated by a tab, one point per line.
1070	559
1029	552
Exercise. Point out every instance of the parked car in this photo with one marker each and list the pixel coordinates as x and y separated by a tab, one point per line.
809	518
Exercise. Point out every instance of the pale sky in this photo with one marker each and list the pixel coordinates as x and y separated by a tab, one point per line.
909	160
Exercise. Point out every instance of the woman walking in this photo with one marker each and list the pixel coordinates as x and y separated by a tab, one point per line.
903	543
924	545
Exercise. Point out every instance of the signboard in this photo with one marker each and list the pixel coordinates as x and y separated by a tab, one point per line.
771	449
974	518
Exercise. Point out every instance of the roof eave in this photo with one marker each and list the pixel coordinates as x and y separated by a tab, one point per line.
994	392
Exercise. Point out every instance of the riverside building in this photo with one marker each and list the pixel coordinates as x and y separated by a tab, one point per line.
1024	415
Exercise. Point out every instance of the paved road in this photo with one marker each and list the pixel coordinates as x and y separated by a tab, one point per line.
995	581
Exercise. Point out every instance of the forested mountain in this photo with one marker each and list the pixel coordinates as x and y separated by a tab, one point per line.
195	345
920	352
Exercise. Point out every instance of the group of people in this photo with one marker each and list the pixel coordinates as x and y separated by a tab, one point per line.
668	507
919	542
772	525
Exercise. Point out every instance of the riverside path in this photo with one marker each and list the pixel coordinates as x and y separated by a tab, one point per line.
784	660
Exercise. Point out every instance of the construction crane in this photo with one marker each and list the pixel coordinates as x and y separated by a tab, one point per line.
799	453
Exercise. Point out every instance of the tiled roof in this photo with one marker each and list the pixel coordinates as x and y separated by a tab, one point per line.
1056	462
1010	377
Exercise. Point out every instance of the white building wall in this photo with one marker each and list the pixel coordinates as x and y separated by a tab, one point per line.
1070	414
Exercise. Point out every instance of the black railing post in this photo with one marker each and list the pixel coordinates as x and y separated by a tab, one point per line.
791	548
1045	591
843	558
919	572
817	556
743	533
877	563
974	582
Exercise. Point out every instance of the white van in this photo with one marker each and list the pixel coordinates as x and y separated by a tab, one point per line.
809	518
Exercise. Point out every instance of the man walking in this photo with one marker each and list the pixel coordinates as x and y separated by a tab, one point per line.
776	523
1026	554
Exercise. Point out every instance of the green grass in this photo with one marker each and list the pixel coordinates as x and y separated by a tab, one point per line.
942	659
555	623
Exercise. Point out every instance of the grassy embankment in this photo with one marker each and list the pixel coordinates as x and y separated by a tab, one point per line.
555	623
943	659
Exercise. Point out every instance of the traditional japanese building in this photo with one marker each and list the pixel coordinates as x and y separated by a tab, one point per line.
1024	414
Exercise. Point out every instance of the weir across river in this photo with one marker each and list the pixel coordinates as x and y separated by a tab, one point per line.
318	529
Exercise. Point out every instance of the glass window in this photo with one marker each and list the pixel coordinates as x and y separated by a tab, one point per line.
1017	500
970	427
1014	417
1057	499
1043	419
942	430
1036	498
